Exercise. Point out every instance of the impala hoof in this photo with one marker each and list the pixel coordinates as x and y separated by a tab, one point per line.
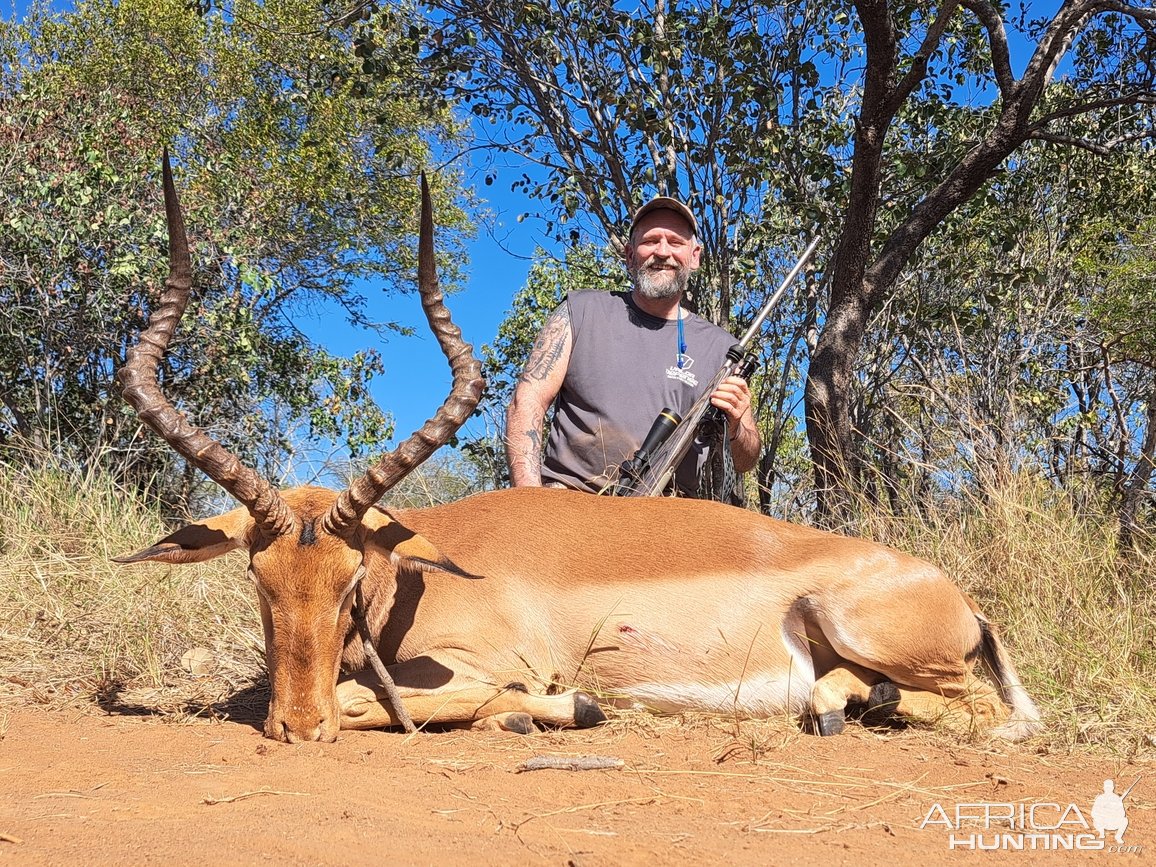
881	705
830	723
587	713
519	723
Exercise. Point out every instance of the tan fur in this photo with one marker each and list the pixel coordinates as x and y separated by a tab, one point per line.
670	604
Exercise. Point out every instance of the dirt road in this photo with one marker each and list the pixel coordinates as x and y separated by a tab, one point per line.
85	788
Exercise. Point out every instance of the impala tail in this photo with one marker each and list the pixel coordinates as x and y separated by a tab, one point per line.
1025	716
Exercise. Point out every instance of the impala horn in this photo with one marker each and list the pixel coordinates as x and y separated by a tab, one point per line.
138	383
346	513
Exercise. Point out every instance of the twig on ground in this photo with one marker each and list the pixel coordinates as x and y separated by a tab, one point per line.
244	795
570	763
578	808
835	829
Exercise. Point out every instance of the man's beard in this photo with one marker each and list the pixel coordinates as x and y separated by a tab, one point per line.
661	284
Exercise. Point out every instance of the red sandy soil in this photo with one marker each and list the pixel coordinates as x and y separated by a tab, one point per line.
86	788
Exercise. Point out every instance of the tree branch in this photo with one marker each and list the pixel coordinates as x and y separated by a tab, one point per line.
1068	21
1135	12
1100	149
918	70
603	127
992	23
1138	97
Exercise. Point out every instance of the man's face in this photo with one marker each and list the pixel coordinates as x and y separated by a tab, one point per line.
661	254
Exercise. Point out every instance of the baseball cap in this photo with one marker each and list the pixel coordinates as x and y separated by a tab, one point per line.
664	203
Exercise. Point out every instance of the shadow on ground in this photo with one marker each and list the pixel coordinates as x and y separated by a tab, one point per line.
248	705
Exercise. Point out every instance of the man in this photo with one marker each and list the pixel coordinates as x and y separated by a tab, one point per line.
613	360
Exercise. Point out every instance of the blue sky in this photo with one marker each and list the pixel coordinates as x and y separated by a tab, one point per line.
417	377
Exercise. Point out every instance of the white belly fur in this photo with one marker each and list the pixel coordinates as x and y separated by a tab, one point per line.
754	696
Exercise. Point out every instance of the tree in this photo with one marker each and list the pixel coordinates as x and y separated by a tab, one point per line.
1007	344
1110	75
1124	271
706	102
298	182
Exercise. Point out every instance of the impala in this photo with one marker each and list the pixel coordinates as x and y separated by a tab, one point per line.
519	605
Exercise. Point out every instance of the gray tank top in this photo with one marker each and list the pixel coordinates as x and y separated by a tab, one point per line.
623	370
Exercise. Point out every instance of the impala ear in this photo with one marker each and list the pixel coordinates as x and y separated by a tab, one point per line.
195	543
406	547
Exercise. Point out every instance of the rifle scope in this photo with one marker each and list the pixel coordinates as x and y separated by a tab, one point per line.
664	425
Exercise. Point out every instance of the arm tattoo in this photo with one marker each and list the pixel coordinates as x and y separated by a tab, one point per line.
532	455
549	346
524	458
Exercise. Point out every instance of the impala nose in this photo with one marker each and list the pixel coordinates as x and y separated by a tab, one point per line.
297	730
295	735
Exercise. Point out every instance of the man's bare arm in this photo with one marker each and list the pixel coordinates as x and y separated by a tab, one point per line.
746	443
539	384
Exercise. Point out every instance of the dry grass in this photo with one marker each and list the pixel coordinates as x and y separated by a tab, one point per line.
1079	618
74	625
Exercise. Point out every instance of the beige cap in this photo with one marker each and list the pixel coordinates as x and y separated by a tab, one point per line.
664	203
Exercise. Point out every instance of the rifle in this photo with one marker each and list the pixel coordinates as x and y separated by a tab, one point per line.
652	467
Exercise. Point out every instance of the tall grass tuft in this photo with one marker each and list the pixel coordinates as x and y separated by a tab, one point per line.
74	625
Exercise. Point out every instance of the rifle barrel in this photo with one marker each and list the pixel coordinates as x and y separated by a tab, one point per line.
770	305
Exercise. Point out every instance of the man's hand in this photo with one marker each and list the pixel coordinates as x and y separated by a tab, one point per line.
733	397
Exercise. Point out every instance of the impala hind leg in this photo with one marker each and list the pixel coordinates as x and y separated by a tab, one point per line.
846	683
966	705
925	639
454	698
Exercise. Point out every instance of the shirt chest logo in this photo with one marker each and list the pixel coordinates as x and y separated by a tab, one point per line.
681	371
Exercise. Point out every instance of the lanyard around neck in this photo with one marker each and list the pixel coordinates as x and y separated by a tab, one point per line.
681	339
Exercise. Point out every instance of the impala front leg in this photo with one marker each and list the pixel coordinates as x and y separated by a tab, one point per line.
452	697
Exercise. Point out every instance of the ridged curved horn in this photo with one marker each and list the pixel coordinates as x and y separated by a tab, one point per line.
346	513
138	384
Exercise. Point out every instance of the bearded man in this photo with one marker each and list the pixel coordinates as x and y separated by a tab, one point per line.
611	361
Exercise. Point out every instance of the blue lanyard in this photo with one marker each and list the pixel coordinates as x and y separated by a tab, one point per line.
681	340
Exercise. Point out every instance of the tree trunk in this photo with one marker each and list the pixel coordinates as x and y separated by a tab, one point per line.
861	283
1138	479
827	401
